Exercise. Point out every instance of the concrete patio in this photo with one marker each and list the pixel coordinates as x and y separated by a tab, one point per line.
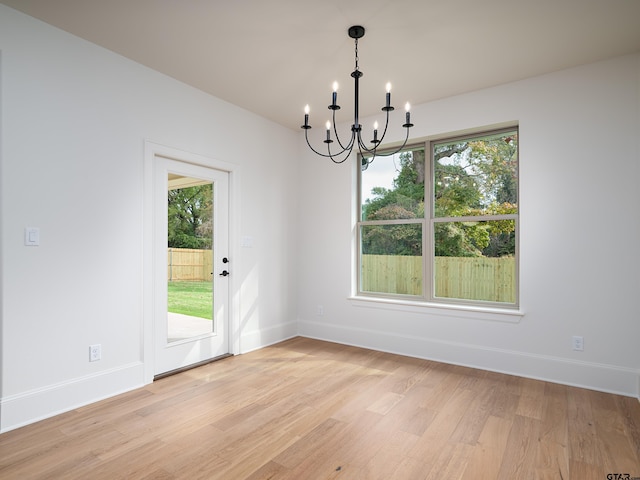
181	327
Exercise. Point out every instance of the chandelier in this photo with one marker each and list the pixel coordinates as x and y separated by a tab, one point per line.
340	154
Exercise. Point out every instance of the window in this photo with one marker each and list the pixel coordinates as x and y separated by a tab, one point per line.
438	222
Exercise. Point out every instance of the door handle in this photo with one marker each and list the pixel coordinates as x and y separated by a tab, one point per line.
224	273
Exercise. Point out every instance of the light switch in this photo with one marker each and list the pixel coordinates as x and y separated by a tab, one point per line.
246	241
32	236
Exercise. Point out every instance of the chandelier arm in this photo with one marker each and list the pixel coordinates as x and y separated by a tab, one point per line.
306	137
386	125
333	159
388	154
335	132
364	151
352	142
374	154
406	139
329	155
362	146
373	150
343	149
333	156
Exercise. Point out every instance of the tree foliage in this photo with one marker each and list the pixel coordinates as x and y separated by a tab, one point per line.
404	201
190	217
471	178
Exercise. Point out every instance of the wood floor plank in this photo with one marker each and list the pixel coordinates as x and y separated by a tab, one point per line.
360	441
488	454
473	421
437	435
531	395
582	431
174	458
382	466
613	450
443	382
268	471
411	469
408	415
385	403
134	463
451	463
308	409
586	471
309	445
391	458
521	452
553	450
629	410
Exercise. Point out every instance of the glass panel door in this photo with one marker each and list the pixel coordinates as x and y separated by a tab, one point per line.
191	241
189	257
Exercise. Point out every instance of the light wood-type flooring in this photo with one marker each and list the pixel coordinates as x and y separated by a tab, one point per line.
305	409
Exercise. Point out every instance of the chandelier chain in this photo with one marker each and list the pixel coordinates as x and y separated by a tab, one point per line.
357	68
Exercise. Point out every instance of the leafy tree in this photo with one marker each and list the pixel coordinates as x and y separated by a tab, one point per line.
460	239
456	191
471	178
189	217
476	178
404	201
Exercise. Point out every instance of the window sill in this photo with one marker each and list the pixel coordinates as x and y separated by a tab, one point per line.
471	312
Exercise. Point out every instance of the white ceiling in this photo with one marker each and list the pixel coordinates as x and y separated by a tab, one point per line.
273	57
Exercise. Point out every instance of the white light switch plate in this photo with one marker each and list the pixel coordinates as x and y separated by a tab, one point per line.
32	236
246	241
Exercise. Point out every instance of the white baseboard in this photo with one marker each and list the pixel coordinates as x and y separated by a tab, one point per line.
29	407
35	405
256	339
593	376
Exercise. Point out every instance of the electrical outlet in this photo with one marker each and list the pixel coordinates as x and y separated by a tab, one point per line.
319	310
95	352
578	343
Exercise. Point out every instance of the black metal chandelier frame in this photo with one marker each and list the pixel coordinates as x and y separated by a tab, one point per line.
367	153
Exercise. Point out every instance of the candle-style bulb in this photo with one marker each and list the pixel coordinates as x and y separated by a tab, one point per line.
388	104
407	107
306	117
388	87
328	124
334	95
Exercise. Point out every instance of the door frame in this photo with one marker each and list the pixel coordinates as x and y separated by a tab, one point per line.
151	152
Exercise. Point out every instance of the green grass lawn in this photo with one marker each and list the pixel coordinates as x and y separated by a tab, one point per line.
191	298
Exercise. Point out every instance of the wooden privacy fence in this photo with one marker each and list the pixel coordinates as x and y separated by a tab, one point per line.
472	278
189	264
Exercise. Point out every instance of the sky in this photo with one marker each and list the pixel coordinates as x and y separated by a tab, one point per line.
381	173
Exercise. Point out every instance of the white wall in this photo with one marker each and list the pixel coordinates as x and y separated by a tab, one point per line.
579	237
74	122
